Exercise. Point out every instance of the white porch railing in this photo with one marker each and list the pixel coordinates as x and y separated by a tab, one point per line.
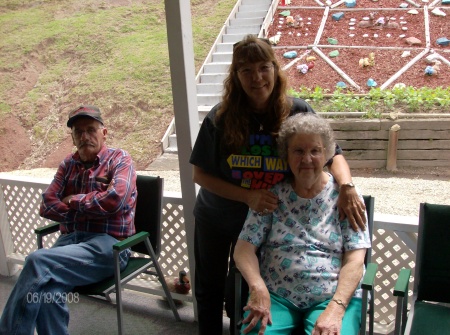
394	242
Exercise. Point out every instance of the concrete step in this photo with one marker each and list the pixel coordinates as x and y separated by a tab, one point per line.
202	112
210	88
216	67
233	38
208	99
222	57
225	47
251	14
256	2
253	29
254	8
248	20
173	146
212	77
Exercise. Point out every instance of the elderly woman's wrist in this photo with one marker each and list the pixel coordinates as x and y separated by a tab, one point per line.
341	303
347	185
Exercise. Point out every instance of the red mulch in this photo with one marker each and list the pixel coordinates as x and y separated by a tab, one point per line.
387	44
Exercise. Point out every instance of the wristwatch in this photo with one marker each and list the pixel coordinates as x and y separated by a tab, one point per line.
350	184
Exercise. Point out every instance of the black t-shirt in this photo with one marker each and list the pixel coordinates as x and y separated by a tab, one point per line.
257	166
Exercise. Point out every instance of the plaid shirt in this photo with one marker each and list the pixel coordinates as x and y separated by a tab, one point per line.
105	194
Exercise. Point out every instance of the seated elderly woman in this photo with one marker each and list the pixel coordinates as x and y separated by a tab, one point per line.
311	264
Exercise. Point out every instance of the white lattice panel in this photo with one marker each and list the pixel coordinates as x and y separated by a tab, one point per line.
22	202
391	254
174	253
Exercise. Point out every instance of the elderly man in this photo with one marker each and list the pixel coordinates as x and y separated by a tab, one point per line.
93	197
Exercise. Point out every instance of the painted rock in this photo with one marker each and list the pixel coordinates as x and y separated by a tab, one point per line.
334	53
444	41
413	41
303	68
337	16
429	70
332	40
371	83
438	12
290	54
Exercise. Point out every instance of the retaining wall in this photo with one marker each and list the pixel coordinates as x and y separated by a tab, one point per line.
420	143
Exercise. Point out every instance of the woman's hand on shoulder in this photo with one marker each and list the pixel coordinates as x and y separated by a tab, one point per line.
351	206
259	306
262	201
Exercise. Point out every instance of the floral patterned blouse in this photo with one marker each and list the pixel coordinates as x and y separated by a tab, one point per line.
302	244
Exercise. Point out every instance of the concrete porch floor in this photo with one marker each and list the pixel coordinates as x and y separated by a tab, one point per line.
143	314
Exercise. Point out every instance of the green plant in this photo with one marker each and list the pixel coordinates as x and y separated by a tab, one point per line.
377	101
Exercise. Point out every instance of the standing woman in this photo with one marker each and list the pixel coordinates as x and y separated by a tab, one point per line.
235	161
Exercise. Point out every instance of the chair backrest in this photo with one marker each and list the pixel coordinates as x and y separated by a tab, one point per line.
369	201
149	210
432	271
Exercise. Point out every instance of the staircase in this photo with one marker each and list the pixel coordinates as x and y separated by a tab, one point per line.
247	17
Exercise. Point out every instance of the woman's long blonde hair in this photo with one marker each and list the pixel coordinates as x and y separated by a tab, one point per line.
234	113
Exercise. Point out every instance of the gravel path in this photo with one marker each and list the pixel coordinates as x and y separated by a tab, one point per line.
395	193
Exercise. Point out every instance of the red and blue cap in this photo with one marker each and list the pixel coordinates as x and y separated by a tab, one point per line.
84	111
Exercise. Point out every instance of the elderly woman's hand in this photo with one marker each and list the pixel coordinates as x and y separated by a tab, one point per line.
330	321
259	306
352	207
262	201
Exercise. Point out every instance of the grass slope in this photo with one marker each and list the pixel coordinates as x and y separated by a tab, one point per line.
55	54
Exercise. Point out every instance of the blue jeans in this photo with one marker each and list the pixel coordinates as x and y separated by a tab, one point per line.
37	299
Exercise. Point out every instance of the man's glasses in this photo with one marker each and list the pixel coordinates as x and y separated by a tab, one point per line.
89	131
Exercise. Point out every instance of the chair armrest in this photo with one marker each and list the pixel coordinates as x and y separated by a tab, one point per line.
369	277
401	285
48	229
131	241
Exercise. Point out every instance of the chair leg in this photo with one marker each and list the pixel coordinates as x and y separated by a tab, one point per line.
405	313
118	287
362	330
398	316
162	281
237	300
372	311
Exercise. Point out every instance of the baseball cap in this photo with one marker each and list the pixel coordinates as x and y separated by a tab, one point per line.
84	111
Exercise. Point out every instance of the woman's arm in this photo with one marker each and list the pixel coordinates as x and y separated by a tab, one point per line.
257	200
330	321
259	300
349	204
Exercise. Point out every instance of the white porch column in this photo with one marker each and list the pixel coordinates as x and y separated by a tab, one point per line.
182	70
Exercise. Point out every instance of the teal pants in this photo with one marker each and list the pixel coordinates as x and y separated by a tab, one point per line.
286	317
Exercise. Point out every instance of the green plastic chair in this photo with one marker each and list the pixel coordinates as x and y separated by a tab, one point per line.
367	283
430	309
146	242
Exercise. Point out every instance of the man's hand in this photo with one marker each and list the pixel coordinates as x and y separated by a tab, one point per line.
67	199
350	206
